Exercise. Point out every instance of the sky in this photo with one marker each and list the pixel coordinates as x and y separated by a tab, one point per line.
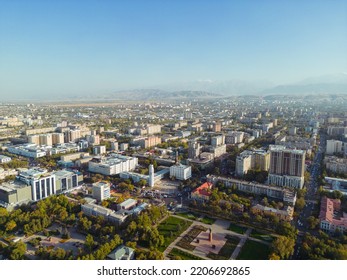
71	47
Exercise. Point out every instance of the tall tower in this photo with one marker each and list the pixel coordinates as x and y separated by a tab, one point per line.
151	176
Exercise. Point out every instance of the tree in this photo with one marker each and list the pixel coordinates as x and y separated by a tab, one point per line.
337	194
89	243
312	222
17	250
10	225
300	204
283	247
273	256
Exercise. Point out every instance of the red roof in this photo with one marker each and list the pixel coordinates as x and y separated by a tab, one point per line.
328	206
204	189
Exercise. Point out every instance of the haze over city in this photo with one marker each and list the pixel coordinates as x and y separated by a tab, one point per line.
52	49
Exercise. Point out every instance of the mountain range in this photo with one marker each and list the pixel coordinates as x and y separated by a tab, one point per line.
329	84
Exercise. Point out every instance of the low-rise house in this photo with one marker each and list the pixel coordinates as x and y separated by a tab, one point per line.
286	214
203	192
122	253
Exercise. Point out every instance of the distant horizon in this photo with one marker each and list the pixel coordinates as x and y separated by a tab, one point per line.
55	49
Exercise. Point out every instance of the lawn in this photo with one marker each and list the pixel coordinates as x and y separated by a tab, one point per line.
189	215
227	250
171	228
189	237
237	228
253	250
261	235
207	220
183	255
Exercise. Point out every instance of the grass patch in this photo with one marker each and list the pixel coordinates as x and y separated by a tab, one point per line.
253	250
171	228
207	220
182	255
189	215
237	228
261	235
189	237
227	250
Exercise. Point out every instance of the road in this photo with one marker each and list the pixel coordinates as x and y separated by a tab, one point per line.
311	196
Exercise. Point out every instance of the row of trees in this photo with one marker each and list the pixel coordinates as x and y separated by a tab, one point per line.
15	163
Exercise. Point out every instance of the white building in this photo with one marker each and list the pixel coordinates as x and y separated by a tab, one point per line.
334	146
181	172
42	183
27	150
99	150
112	165
101	191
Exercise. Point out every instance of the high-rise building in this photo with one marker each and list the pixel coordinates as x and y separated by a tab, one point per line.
287	167
72	135
34	139
99	150
217	127
217	140
57	138
256	159
114	146
93	139
193	149
46	139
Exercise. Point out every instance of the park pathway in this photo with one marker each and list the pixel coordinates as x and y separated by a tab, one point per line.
240	245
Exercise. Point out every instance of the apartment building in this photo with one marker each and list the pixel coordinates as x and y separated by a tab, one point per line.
335	146
287	167
252	159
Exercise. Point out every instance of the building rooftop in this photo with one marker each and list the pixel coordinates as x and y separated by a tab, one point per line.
33	172
121	253
127	202
11	186
285	149
204	189
329	211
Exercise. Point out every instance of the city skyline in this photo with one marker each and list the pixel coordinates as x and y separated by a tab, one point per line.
90	47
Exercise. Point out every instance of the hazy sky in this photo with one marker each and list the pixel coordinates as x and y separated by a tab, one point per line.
75	47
